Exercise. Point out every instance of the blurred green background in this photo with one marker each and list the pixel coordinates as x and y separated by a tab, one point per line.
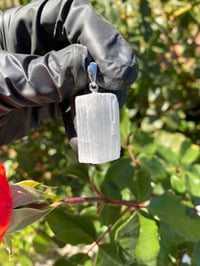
159	166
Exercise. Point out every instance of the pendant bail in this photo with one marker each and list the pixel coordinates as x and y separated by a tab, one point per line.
92	74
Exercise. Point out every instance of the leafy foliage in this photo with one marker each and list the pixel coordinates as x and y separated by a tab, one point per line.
151	216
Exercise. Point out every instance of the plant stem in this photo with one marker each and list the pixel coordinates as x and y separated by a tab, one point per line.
115	202
108	230
95	189
132	156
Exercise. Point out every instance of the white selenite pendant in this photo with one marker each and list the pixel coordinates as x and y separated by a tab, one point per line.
97	119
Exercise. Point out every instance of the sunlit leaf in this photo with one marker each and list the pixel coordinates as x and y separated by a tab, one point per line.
155	166
167	139
183	9
193	183
191	154
178	183
28	183
171	157
148	246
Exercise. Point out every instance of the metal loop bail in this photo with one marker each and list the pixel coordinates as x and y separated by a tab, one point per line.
92	74
93	87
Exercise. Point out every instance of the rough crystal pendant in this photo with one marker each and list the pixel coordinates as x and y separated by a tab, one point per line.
97	119
98	134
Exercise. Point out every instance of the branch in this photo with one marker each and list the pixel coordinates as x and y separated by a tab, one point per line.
129	203
96	190
132	156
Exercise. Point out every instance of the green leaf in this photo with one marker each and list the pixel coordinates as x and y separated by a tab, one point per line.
193	183
172	118
119	176
170	240
42	244
126	236
24	217
155	166
164	256
70	228
185	146
192	179
150	124
79	259
28	183
191	155
196	254
178	183
168	209
109	214
108	255
125	126
78	171
147	247
141	187
63	262
143	141
167	139
168	155
182	9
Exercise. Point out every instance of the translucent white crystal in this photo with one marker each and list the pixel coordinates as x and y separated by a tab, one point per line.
98	132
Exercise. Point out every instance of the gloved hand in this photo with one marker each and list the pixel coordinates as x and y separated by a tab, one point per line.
46	47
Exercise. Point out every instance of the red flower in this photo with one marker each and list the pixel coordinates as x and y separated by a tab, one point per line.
5	202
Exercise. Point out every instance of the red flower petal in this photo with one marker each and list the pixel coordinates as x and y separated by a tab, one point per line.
5	202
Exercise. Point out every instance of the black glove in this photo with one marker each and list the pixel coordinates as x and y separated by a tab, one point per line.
46	47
